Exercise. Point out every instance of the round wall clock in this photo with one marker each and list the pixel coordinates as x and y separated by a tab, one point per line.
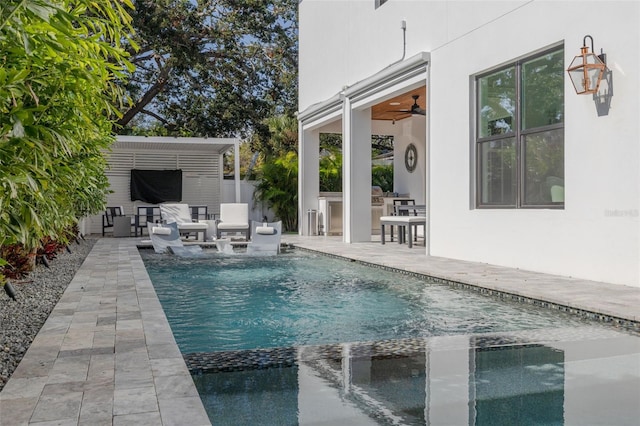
411	158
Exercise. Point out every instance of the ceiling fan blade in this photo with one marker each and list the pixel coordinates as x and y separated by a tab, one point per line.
414	110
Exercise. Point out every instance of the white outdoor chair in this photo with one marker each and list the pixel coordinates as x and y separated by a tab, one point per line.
181	215
265	238
234	217
165	238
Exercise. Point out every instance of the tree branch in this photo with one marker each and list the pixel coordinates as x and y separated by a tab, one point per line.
154	115
158	86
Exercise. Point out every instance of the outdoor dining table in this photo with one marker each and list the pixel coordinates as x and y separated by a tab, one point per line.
415	216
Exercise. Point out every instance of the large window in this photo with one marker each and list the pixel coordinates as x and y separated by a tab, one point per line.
520	134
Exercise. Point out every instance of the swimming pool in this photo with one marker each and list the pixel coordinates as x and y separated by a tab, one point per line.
303	338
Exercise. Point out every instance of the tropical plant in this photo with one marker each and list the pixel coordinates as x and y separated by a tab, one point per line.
331	169
278	187
59	71
331	163
281	136
382	176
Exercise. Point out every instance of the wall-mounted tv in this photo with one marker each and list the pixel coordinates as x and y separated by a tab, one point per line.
156	186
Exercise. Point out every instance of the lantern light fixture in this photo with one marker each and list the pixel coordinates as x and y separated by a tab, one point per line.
587	69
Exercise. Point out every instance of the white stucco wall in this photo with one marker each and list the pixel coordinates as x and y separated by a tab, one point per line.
412	130
601	153
597	235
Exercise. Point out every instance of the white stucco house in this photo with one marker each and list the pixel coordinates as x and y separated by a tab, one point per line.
516	168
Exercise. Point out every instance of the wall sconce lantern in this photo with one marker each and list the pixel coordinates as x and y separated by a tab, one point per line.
586	69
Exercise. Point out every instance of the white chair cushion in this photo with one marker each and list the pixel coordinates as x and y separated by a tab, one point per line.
265	230
234	212
192	226
229	225
394	218
158	230
403	219
178	213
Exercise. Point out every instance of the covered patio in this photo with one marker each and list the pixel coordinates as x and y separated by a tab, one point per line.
199	160
391	102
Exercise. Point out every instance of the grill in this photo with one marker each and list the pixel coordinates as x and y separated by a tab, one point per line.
377	198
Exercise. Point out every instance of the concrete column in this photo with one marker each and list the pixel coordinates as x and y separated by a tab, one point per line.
308	175
356	185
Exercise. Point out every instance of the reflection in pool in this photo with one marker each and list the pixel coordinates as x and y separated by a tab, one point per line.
302	339
583	376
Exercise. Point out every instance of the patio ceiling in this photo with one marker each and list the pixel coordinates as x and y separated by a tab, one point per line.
387	110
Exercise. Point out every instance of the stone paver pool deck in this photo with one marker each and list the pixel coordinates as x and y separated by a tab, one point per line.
106	354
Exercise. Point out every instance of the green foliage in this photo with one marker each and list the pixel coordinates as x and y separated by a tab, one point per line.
59	71
278	187
382	176
212	67
331	162
277	170
331	169
3	279
281	136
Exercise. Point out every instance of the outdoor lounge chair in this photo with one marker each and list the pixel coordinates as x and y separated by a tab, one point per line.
181	215
234	217
265	238
166	238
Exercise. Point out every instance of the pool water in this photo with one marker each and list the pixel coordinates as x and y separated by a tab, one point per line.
308	339
235	302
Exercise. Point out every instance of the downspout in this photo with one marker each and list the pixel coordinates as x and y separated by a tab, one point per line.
403	25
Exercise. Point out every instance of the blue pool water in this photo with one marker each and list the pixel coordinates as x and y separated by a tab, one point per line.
230	302
307	339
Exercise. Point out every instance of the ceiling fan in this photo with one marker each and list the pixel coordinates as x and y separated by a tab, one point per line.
415	108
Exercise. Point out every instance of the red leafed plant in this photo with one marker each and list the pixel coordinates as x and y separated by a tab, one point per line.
50	248
19	261
16	261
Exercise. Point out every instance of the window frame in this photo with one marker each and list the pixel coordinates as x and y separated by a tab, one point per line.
518	134
379	3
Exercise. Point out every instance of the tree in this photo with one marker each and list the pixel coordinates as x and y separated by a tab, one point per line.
214	67
280	137
59	68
